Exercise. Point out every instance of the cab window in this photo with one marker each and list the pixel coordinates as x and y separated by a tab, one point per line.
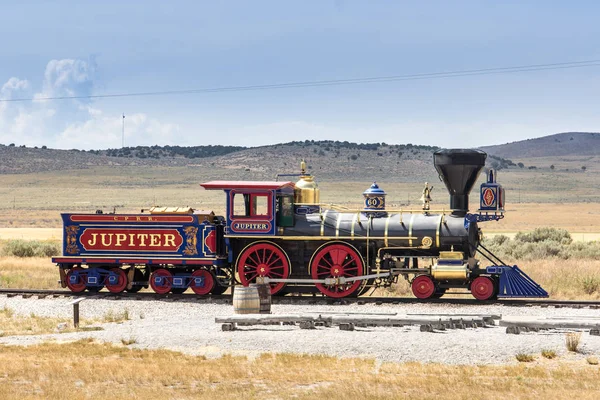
251	205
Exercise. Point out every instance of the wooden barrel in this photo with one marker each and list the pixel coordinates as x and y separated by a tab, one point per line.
264	294
246	300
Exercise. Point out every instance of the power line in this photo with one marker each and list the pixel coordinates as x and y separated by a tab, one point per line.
335	82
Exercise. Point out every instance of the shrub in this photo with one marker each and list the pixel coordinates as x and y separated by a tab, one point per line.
572	340
542	243
549	354
545	234
30	248
590	284
522	357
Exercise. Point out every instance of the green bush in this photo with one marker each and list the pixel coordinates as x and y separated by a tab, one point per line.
590	284
542	243
545	234
30	248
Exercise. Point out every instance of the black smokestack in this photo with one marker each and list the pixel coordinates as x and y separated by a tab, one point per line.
459	169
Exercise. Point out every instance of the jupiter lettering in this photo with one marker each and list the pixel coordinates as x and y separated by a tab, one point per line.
151	240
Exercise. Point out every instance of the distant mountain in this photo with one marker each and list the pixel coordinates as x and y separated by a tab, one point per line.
331	160
560	144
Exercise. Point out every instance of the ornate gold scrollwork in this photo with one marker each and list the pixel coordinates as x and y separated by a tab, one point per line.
191	241
426	241
71	239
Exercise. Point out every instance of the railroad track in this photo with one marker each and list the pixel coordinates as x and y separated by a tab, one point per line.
304	299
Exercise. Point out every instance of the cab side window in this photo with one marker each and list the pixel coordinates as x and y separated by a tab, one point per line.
251	205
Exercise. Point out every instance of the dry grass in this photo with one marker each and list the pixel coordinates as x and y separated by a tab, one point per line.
28	273
564	279
89	370
572	341
11	324
116	316
523	357
592	360
549	354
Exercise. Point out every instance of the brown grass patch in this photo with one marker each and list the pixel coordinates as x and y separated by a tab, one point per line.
11	324
28	273
90	370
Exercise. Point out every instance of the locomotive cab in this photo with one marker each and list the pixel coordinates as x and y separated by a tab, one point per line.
255	208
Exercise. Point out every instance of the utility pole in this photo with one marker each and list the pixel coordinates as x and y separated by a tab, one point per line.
123	133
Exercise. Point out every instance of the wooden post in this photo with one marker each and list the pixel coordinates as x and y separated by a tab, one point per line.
76	311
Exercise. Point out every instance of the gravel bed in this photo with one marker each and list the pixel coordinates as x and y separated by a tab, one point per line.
191	328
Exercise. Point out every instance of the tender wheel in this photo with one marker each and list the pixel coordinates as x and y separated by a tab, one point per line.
78	285
161	281
263	259
483	288
206	282
423	287
121	281
336	261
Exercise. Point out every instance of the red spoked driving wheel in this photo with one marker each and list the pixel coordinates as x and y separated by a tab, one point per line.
161	281
483	288
202	282
79	280
263	259
336	261
121	281
423	287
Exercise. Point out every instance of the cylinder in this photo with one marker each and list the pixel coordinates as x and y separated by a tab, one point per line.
449	272
246	300
264	294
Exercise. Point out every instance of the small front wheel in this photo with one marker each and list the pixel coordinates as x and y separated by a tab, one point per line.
483	288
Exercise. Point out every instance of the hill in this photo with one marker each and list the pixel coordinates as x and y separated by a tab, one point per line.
560	144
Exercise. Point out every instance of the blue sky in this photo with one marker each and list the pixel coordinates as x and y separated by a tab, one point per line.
91	48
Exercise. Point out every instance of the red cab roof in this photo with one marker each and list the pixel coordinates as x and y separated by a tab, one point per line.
270	185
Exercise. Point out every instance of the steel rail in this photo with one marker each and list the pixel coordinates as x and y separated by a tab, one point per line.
315	299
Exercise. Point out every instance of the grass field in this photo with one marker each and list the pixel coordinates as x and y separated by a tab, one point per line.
89	370
539	197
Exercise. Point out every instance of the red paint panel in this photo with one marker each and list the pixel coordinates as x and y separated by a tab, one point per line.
67	260
107	239
211	241
131	218
246	185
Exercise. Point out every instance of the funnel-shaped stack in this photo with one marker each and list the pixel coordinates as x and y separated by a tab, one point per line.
459	169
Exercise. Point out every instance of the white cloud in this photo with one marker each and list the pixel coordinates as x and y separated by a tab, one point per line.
105	131
73	123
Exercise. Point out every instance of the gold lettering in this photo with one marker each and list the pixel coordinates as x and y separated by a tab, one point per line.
138	218
169	240
93	241
131	242
103	237
126	218
154	240
120	237
150	219
142	237
115	218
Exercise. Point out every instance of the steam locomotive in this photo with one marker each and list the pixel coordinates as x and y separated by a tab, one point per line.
277	232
